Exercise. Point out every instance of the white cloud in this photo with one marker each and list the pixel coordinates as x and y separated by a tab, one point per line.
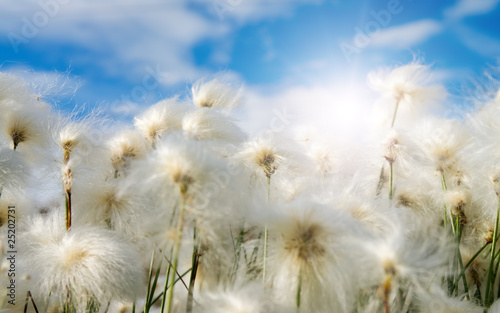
465	8
483	44
118	36
244	11
336	107
123	37
406	35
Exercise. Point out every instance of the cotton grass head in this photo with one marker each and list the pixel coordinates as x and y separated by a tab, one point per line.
106	206
159	119
86	264
208	125
175	170
23	127
308	243
69	135
442	142
215	93
262	156
402	259
124	148
408	83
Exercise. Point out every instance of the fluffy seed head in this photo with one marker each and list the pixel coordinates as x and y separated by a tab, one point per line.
204	124
262	155
441	142
125	147
215	94
309	243
163	117
456	200
406	84
176	168
419	257
22	127
93	264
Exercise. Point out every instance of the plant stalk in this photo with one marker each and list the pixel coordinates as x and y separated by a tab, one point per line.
194	270
487	302
180	227
395	111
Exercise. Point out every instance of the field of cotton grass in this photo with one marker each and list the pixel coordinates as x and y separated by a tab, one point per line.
184	211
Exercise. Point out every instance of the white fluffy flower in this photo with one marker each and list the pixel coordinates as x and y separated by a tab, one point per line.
408	84
24	127
307	244
125	147
208	125
215	93
177	169
163	117
92	264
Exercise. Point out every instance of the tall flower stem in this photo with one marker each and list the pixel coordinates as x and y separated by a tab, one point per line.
299	291
459	259
391	195
165	287
395	111
489	281
473	258
194	269
68	183
177	248
239	243
268	188
264	258
68	209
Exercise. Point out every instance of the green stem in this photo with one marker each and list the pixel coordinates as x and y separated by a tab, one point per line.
487	302
165	287
495	272
265	255
155	282
460	262
264	258
180	226
237	257
160	295
443	182
194	267
268	188
473	258
299	291
395	112
390	181
150	278
445	217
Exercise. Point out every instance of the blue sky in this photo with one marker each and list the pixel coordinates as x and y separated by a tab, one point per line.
124	55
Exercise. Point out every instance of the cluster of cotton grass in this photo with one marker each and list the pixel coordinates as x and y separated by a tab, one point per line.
186	212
